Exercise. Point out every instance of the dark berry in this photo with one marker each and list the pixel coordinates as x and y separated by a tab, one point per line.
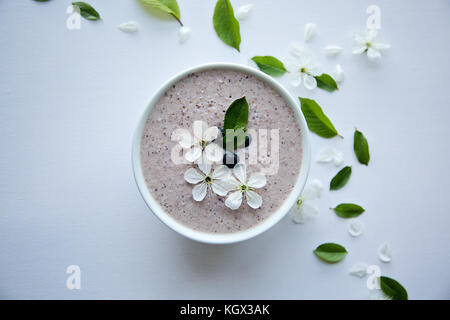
230	159
248	140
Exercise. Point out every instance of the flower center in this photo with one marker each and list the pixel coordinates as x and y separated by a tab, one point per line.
203	144
244	187
208	179
368	44
303	70
299	202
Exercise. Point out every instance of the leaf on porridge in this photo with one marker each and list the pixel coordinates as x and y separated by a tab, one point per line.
330	252
87	11
348	210
326	82
393	289
361	147
317	121
235	123
270	65
341	178
226	25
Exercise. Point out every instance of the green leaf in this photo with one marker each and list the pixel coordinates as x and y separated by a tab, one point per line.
168	6
361	147
326	82
235	123
393	289
226	25
317	121
341	178
270	65
330	252
87	11
348	210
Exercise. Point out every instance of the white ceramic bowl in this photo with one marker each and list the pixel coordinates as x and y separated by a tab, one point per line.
227	237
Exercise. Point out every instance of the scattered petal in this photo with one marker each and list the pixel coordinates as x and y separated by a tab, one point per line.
313	190
254	200
332	51
193	176
384	252
328	154
338	74
130	26
304	212
243	11
309	82
199	191
310	31
355	228
257	180
184	34
234	200
359	270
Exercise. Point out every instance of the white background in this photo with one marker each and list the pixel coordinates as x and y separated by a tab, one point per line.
69	103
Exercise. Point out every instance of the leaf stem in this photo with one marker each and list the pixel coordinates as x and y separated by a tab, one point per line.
176	18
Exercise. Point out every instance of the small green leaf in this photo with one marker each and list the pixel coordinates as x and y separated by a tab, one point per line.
87	11
348	210
341	178
393	289
169	6
226	25
270	65
235	123
361	147
330	252
317	121
326	82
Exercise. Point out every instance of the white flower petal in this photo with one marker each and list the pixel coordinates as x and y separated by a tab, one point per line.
193	154
233	182
338	73
184	34
185	139
328	154
296	49
213	152
310	31
304	212
205	168
359	39
199	127
314	69
355	228
359	50
296	79
193	176
199	191
220	187
130	26
332	51
254	200
359	270
384	252
240	172
313	190
371	35
234	200
210	134
243	11
373	54
381	46
309	82
221	172
257	180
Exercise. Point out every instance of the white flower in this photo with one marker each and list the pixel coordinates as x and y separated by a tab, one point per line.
245	188
366	43
332	51
303	68
384	252
359	269
330	155
200	145
303	210
129	26
310	31
183	34
355	228
338	73
205	181
243	11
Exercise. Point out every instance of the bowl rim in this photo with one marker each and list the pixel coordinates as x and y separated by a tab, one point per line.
221	238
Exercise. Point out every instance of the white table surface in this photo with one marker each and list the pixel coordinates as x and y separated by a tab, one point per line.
69	102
